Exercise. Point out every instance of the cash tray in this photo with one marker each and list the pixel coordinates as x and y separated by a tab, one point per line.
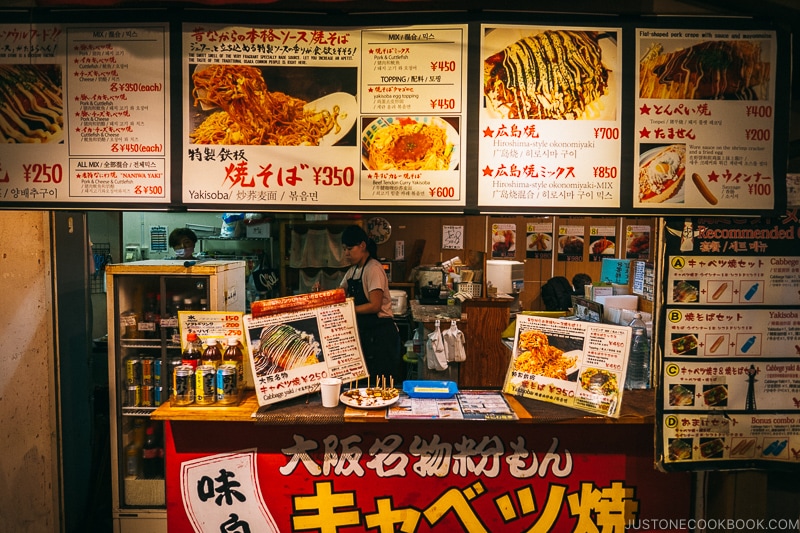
430	388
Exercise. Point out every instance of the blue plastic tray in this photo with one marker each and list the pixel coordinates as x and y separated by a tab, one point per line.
430	389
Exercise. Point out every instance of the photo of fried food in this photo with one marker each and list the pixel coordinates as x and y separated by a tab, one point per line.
662	172
250	114
282	347
685	291
599	381
603	246
684	345
570	245
555	74
540	242
716	395
537	356
637	243
679	450
31	104
712	448
409	143
681	395
710	70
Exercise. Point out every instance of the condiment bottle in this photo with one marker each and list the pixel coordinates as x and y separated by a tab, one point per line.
191	353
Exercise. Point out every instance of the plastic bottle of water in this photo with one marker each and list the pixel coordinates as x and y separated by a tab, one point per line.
639	362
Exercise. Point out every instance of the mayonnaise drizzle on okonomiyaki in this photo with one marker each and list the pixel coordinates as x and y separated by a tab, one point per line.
552	75
283	347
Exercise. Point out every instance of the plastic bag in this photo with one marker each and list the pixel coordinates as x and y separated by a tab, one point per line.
454	344
435	350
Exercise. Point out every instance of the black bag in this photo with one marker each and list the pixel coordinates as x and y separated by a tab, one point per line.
557	294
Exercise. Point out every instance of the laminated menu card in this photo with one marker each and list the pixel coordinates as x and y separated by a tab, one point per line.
569	362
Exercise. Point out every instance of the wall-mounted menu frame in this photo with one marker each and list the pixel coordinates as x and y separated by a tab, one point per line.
325	116
83	114
401	75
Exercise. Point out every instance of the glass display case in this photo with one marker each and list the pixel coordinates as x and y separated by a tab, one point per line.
144	298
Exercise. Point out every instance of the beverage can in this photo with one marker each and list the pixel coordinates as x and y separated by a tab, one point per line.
157	372
158	395
147	396
183	378
133	371
147	371
205	385
227	384
134	396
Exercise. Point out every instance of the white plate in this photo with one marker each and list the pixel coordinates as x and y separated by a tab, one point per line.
348	112
384	122
366	403
548	242
679	196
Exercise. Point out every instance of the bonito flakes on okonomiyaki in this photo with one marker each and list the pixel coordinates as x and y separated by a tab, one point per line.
283	347
556	74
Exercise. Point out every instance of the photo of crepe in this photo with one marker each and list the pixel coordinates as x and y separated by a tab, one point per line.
710	70
282	347
237	108
555	74
31	104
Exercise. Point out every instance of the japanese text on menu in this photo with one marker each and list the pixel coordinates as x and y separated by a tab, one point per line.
87	114
324	116
542	145
704	119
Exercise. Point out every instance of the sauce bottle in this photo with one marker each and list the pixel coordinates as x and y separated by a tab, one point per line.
191	353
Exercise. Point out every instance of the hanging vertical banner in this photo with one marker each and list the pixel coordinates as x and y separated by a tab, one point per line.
731	378
550	117
317	116
705	124
83	115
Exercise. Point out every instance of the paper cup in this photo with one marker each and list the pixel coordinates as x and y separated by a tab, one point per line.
331	388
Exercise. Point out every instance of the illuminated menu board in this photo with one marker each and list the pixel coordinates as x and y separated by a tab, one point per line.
550	117
324	117
83	114
705	116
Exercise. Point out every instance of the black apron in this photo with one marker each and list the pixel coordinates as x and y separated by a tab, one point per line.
380	339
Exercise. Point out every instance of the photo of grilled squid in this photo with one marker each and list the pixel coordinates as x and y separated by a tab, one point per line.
710	70
555	74
31	105
282	347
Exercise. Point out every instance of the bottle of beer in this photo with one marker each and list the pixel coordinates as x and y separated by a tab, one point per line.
191	353
233	356
212	355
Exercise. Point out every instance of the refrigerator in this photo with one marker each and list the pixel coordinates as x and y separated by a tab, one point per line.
143	298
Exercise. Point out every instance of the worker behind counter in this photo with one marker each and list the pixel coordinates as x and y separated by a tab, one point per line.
182	241
366	282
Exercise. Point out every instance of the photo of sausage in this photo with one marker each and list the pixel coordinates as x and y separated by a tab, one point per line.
720	291
703	188
717	344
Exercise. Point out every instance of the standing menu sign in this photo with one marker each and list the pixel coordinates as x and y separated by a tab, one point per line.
705	125
569	362
84	113
291	352
320	116
549	132
731	373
